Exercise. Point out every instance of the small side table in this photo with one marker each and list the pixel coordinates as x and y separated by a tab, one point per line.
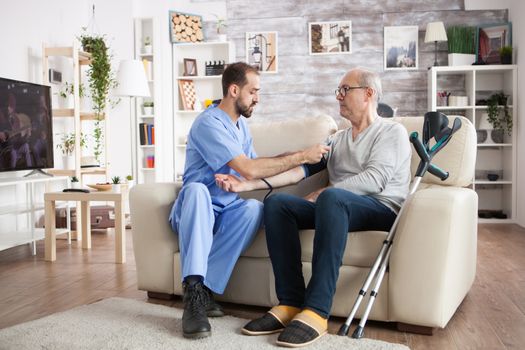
83	220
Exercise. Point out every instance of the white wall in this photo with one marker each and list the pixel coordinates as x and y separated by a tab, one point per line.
26	24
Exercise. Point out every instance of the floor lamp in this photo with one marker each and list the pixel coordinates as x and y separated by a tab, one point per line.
132	82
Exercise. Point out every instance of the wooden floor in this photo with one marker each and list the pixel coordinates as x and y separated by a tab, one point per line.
492	316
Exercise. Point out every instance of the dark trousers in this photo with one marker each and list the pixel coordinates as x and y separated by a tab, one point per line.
333	215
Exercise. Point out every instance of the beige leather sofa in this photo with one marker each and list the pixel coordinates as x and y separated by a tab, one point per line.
433	261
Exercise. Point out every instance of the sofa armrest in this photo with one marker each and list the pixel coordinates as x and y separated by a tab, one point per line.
154	243
433	262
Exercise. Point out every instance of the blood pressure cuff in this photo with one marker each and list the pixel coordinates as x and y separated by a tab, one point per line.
312	169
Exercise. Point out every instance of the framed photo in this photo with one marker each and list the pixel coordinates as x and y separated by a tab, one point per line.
490	39
261	51
190	67
401	48
185	27
328	38
188	94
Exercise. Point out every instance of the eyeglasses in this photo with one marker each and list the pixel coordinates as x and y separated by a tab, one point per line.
343	90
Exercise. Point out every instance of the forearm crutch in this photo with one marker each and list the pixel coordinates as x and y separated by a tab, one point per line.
435	125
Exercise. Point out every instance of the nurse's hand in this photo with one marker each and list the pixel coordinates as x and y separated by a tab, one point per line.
230	183
314	154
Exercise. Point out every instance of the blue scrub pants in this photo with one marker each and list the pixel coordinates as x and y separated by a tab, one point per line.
333	215
212	239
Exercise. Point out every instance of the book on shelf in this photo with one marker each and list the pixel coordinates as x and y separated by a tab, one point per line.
146	134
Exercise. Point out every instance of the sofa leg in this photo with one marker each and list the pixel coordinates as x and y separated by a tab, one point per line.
163	296
411	328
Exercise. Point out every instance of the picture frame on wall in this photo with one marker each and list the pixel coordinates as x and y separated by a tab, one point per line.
190	67
490	39
185	27
262	51
401	47
329	38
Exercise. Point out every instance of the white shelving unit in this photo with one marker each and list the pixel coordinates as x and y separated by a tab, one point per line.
206	87
76	58
477	83
146	30
19	220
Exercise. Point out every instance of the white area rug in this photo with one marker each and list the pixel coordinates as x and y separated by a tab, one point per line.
118	323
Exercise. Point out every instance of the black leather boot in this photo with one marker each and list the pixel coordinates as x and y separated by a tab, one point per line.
194	320
212	308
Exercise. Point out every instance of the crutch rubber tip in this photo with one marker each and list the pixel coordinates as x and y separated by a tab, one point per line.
343	330
358	333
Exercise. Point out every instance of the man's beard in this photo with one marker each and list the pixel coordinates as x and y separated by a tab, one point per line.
245	111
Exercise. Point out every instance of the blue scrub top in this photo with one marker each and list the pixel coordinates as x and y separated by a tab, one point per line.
213	141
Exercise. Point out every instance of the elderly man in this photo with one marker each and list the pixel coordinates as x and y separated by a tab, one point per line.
214	226
369	173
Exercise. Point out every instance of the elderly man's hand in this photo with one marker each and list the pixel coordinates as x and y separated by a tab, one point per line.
230	183
315	153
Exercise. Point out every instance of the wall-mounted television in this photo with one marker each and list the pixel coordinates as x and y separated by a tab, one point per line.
26	126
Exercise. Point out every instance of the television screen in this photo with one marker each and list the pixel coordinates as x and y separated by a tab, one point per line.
26	137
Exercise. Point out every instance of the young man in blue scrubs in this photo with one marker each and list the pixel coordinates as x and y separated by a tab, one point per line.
215	226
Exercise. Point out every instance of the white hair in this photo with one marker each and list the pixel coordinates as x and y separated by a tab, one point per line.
371	79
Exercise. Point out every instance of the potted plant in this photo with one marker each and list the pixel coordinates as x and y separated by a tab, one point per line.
101	79
66	93
67	146
130	181
148	107
115	186
506	54
461	45
147	48
501	122
75	183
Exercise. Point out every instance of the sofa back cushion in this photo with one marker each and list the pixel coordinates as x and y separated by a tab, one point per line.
271	138
458	157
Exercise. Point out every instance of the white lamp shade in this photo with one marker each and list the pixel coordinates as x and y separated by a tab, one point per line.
435	32
131	78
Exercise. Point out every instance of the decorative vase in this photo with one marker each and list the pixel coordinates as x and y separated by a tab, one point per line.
148	110
147	50
68	161
75	184
481	135
222	37
461	59
131	183
506	59
116	188
497	135
65	102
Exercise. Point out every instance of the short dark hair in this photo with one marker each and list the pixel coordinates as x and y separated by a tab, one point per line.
236	73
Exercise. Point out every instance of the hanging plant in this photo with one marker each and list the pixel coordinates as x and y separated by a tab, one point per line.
101	79
499	122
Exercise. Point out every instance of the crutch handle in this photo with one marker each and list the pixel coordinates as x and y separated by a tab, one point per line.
436	171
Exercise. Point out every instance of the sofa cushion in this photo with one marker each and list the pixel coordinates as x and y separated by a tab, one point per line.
361	247
291	134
